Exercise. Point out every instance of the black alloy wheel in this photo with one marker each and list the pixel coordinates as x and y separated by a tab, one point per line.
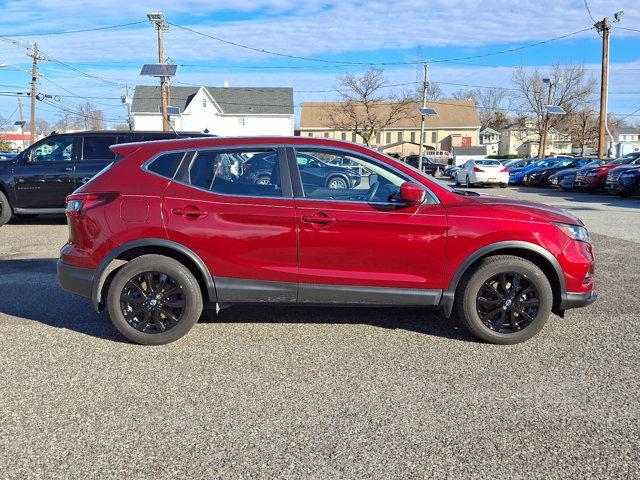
152	302
507	302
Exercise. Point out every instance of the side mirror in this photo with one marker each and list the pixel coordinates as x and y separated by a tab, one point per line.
412	193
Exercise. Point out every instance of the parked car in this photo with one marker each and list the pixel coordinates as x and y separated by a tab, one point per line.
592	178
565	178
611	183
516	175
428	166
451	170
629	182
539	177
38	179
160	234
483	172
7	155
520	163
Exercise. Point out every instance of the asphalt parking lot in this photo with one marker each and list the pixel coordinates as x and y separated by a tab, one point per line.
266	392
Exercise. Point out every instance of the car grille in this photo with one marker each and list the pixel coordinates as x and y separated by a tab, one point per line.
612	176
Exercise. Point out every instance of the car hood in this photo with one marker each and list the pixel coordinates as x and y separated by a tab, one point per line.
565	172
525	210
624	167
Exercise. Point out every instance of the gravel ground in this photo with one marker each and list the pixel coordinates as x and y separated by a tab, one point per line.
314	392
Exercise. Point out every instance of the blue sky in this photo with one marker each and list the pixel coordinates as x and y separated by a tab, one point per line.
347	31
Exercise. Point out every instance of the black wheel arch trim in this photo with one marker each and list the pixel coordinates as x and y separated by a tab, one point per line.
446	303
111	262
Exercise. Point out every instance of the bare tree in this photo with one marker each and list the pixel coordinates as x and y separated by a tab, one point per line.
85	117
492	104
364	109
571	89
583	129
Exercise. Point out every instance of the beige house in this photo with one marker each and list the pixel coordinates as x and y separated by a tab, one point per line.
457	124
525	141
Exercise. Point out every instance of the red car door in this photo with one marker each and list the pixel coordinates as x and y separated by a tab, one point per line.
243	231
359	245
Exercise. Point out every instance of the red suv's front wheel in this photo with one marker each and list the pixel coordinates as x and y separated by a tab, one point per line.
505	300
154	300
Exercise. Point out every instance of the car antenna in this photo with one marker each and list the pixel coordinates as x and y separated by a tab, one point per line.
174	130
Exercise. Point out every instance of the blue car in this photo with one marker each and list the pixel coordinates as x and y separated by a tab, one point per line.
516	175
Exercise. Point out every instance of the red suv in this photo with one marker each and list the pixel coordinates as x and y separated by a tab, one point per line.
174	226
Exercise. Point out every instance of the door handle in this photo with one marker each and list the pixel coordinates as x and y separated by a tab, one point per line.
67	169
319	218
190	211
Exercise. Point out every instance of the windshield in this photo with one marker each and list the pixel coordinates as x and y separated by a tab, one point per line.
625	159
488	163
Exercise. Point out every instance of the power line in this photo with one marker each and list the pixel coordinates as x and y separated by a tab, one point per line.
343	62
589	11
627	28
67	32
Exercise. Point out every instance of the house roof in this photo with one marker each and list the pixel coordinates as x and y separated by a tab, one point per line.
451	113
629	131
489	131
481	150
232	100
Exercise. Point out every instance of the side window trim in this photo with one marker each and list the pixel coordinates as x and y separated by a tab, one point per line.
297	179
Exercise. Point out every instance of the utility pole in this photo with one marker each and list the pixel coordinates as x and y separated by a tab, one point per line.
425	89
34	78
126	99
545	128
603	27
21	122
158	19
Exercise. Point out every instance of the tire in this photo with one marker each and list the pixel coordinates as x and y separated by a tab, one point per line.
503	185
457	181
5	209
263	180
337	182
467	303
624	194
179	278
467	184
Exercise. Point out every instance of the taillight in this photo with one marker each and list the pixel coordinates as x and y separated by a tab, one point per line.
78	203
476	169
504	169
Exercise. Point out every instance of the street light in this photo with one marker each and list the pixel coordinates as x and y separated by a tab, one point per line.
424	112
5	65
156	17
557	110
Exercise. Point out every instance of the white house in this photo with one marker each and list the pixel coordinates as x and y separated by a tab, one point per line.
627	141
224	111
491	139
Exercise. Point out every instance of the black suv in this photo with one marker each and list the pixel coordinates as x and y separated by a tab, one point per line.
428	166
38	180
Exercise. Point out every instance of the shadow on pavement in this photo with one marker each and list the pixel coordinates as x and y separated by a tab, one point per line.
30	291
38	220
414	319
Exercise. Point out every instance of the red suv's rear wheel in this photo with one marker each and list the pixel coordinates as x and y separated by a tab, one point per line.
154	300
505	300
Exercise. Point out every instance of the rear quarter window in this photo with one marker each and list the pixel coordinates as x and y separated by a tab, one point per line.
166	165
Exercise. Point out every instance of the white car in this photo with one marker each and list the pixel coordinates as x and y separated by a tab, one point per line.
482	172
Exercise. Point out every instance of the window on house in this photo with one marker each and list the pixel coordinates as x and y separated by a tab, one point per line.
241	121
434	137
399	136
354	137
413	137
378	138
326	134
310	134
343	135
204	102
388	137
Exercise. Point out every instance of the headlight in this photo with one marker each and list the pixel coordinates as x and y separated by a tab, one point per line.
574	231
592	174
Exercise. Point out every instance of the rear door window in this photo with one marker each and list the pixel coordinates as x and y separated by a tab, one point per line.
97	147
237	172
